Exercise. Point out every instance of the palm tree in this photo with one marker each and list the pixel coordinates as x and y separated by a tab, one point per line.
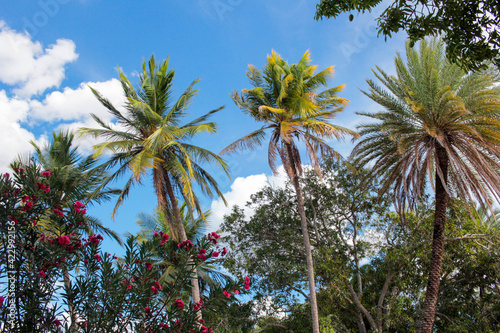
209	276
440	123
284	98
149	136
74	178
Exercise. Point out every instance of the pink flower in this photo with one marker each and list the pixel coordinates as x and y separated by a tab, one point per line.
227	293
63	240
147	309
224	252
57	322
78	204
1	297
236	292
97	257
148	265
213	236
42	273
47	189
202	257
187	244
179	303
27	206
46	173
215	254
247	283
95	239
86	261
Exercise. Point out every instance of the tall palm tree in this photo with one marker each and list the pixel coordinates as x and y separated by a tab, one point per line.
150	136
438	123
285	98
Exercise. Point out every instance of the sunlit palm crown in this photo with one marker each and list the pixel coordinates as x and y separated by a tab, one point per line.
150	134
431	103
285	98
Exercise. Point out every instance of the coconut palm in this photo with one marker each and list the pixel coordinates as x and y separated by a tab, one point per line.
74	178
438	123
149	136
285	98
209	276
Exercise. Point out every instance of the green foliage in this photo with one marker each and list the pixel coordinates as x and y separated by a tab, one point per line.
469	28
142	292
360	244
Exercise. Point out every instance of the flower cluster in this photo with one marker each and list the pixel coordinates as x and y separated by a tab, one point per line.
247	283
93	239
179	303
79	208
43	187
213	236
187	245
164	237
155	288
202	254
58	211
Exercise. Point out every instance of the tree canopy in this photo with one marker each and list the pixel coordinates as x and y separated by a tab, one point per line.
469	28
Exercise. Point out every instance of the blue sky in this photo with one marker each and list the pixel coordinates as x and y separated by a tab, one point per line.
51	50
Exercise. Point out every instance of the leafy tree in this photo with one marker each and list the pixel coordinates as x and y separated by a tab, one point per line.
342	209
438	122
285	98
469	28
150	136
469	294
369	259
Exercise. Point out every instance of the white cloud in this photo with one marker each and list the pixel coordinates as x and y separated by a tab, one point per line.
241	190
25	64
77	104
14	138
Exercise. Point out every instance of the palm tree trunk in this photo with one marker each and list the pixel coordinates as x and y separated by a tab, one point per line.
159	176
195	291
433	282
305	235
